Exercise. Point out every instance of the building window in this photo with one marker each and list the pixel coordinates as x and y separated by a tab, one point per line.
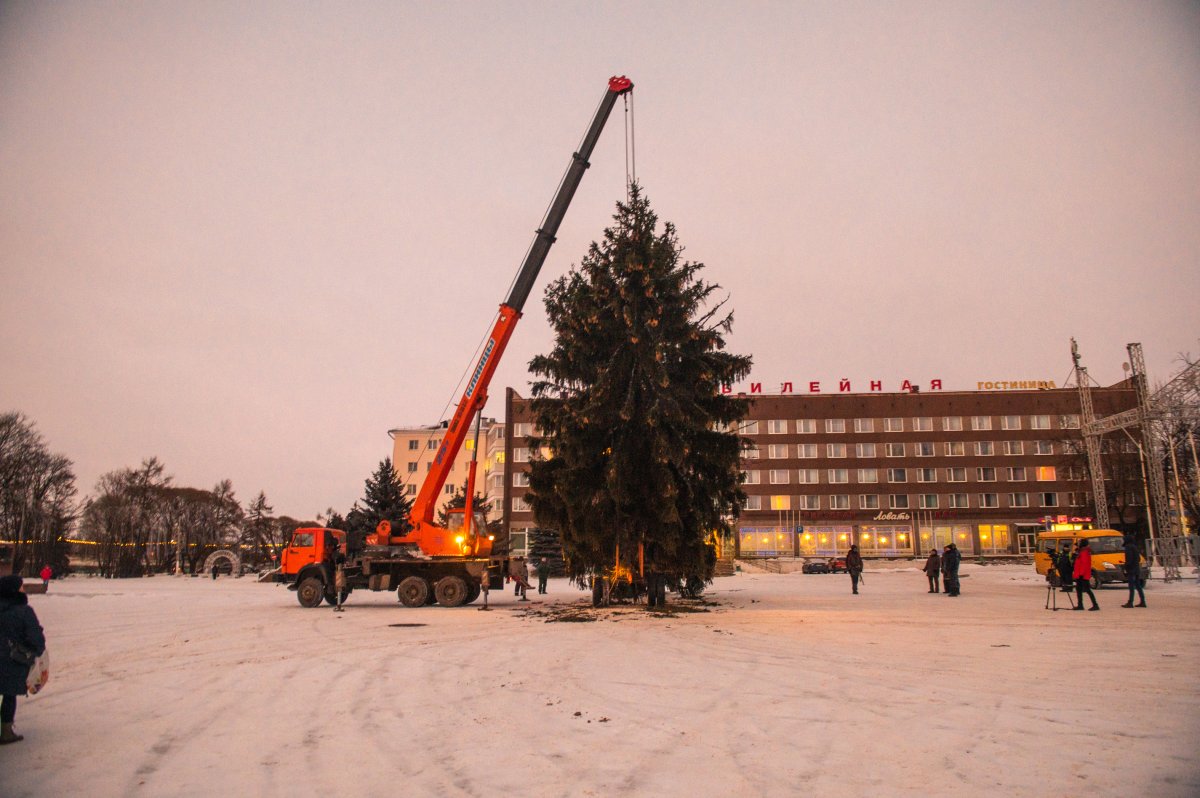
521	455
519	505
897	475
414	444
922	424
749	428
893	449
898	501
952	423
779	477
868	501
985	474
411	490
777	451
753	503
781	502
893	425
958	501
449	490
751	452
777	427
868	475
864	425
522	430
1010	422
1043	447
1016	474
981	422
927	501
838	476
1045	474
1014	447
835	425
926	475
1068	422
1018	500
432	444
1072	447
864	450
806	451
839	501
412	468
993	538
429	466
520	479
1049	499
955	449
984	448
1039	422
806	426
923	449
989	500
837	450
808	503
956	475
751	477
808	476
1077	499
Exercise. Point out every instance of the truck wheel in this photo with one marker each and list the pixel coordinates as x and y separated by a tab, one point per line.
310	592
473	591
451	591
413	591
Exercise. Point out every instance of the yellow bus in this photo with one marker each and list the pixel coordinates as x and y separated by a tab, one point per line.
1108	553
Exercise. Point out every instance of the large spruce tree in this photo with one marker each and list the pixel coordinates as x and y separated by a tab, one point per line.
629	403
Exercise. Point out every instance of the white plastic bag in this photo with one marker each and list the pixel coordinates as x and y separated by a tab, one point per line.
39	673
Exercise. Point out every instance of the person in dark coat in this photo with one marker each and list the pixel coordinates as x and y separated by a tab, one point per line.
1082	574
854	566
1133	572
950	560
543	574
933	567
18	623
1063	564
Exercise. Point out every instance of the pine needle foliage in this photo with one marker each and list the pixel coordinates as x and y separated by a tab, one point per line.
383	499
630	408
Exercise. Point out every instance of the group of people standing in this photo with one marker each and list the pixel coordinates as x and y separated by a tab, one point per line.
1074	570
944	567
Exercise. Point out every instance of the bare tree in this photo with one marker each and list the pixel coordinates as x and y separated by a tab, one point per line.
37	496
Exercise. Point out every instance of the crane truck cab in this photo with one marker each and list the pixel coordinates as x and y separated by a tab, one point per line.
307	561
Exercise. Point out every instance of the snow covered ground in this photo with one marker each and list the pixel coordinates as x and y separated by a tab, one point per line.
166	686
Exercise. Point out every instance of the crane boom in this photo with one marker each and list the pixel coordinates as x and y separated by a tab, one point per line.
434	539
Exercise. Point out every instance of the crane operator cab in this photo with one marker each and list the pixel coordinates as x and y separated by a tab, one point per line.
471	542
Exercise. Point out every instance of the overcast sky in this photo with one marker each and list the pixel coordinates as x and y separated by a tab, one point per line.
249	238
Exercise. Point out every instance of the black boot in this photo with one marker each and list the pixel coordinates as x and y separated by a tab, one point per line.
1128	604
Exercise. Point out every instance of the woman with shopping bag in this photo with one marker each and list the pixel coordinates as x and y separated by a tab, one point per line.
22	642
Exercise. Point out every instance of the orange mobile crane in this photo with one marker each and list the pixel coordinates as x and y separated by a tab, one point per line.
431	563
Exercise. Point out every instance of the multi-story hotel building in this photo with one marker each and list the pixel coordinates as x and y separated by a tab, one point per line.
895	473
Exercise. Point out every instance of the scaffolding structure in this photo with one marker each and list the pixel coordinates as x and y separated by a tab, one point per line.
1175	403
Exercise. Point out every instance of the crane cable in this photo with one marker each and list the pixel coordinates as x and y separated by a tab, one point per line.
630	147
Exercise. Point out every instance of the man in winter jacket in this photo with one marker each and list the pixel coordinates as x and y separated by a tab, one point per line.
18	623
933	567
950	560
1082	574
1133	572
854	565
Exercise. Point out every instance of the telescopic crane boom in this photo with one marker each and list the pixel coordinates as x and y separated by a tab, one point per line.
438	541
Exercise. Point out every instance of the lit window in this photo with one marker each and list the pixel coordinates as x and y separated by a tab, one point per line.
1045	474
781	502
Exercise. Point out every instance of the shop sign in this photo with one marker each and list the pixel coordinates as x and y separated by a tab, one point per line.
1015	385
890	516
844	386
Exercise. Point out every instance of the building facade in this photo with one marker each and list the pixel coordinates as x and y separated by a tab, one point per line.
413	450
894	473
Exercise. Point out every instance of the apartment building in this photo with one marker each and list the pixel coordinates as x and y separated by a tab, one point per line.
413	450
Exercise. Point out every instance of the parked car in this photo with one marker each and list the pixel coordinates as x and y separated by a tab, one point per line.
837	565
815	567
